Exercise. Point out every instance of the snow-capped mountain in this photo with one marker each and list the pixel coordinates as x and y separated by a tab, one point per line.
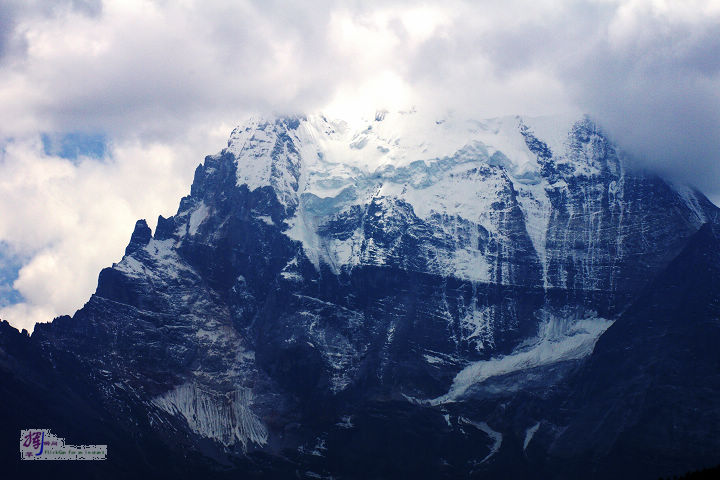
425	293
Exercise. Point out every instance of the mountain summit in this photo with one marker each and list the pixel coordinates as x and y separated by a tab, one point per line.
396	297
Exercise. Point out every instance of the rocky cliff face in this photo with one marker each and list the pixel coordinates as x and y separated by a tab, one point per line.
423	296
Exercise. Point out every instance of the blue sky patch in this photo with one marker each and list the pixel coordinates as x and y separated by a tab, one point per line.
75	144
10	265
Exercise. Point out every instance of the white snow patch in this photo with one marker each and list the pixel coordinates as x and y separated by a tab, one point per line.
162	262
535	205
484	427
476	325
558	340
227	418
433	360
553	130
345	422
296	277
266	219
166	258
290	272
691	201
197	217
317	451
529	433
130	266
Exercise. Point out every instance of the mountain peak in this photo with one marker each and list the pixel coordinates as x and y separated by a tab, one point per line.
325	275
140	237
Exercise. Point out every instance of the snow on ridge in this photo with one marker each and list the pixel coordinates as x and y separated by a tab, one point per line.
158	259
369	145
334	165
690	198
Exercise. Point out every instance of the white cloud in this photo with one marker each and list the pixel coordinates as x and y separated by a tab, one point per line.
165	80
71	220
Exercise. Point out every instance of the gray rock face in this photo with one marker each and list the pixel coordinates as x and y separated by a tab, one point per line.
322	282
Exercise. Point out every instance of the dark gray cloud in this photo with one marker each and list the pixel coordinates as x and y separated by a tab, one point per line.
658	94
649	72
8	22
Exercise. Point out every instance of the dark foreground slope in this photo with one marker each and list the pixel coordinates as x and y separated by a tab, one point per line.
648	400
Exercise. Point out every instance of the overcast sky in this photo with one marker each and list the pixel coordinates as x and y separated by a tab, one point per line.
107	106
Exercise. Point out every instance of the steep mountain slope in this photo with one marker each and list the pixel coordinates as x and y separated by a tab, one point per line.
650	393
420	294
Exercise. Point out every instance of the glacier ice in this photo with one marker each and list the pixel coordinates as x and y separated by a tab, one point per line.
558	340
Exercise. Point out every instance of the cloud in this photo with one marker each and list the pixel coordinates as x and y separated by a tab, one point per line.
161	83
654	81
69	218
